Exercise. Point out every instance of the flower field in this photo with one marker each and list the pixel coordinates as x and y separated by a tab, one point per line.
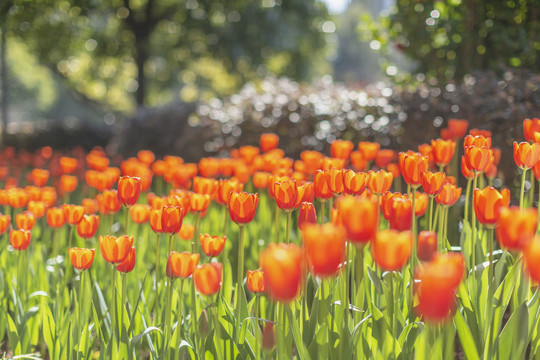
347	255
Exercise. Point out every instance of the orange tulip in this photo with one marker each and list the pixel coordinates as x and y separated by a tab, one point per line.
536	170
129	262
242	207
369	149
432	183
171	219
384	157
129	189
55	217
203	185
81	259
68	165
401	214
88	226
25	220
530	126
260	180
387	203
37	208
477	158
68	183
355	183
358	161
427	151
17	198
427	245
226	187
111	203
199	202
255	281
526	155
380	182
443	151
19	239
516	227
488	204
282	269
268	142
334	180
491	171
391	249
306	215
140	213
325	248
181	265
5	221
412	166
73	214
186	232
467	173
286	194
353	209
449	195
91	206
207	278
115	249
320	186
420	204
212	245
341	149
437	284
146	156
458	128
155	220
477	141
40	177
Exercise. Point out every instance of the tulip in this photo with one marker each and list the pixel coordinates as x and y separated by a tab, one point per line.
401	214
325	248
427	245
334	180
384	157
202	185
412	165
530	126
449	195
286	195
68	183
155	220
420	204
207	278
488	203
226	187
5	221
81	259
199	202
255	281
242	207
282	268
438	281
212	245
354	183
260	180
25	220
146	156
268	142
171	219
186	231
369	150
19	239
477	158
37	208
40	177
115	249
443	151
181	265
91	206
68	165
477	140
17	198
358	162
341	149
88	226
129	189
306	215
432	183
458	128
360	218
380	182
128	264
392	249
140	213
516	227
320	186
73	214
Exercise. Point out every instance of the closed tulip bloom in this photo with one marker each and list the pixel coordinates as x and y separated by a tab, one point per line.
536	170
458	128
334	179
40	177
443	151
25	220
171	219
140	213
325	248
155	220
199	202
432	183
465	171
306	215
360	217
88	226
358	162
477	158
282	269
392	249
387	203
73	214
427	245
401	214
242	207
427	151
91	206
111	203
369	149
68	183
320	186
286	194
115	249
384	157
207	278
202	185
68	165
531	255
526	155
5	221
530	126
186	231
412	166
37	208
129	189
488	204
380	182
491	171
17	198
449	195
212	245
81	259
260	180
420	204
268	142
437	284
516	227
354	183
226	187
19	239
479	140
255	281
181	265
341	149
128	264
55	217
146	156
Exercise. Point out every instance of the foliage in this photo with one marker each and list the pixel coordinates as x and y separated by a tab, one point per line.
450	38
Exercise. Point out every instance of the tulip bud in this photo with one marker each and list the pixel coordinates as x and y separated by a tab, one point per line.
204	324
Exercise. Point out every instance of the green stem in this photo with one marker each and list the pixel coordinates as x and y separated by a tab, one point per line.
194	242
240	272
467	195
170	246
445	229
80	313
217	326
287	226
440	232
70	236
538	219
390	306
359	273
276	223
168	316
523	174
225	220
257	329
126	210
113	309
322	211
414	257
180	312
531	190
124	285
157	259
431	213
491	292
473	221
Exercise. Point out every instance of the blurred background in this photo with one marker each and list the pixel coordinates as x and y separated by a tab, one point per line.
198	77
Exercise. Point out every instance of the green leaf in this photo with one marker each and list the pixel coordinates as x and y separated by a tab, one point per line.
137	338
49	330
513	338
466	338
302	351
13	336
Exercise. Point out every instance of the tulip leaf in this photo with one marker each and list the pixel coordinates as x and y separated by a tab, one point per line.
513	338
302	351
13	336
466	338
49	330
